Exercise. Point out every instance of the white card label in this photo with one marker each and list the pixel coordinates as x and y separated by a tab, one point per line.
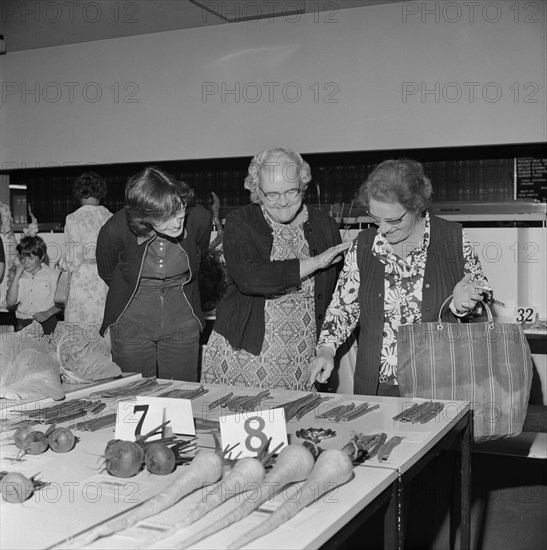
525	314
139	417
250	431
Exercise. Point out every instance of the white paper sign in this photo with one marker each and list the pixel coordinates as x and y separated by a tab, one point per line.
524	314
139	417
250	431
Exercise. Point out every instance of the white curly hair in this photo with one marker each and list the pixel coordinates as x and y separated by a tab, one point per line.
271	157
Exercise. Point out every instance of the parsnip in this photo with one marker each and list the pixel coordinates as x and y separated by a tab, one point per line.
293	464
332	469
206	468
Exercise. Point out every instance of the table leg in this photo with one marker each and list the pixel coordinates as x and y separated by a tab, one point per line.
460	508
395	518
465	484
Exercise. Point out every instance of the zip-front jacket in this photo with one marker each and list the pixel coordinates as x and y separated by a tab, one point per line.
248	242
120	259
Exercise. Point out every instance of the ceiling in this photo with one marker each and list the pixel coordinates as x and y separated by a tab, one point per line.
31	24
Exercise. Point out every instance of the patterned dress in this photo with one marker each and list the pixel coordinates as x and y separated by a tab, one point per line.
87	294
403	288
289	340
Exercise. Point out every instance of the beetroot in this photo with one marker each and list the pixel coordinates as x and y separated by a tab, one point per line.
123	458
35	443
159	459
61	440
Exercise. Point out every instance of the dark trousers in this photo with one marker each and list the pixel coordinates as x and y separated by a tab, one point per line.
388	390
158	335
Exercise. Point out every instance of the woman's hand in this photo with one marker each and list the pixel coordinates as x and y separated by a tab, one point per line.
323	260
466	294
19	271
322	365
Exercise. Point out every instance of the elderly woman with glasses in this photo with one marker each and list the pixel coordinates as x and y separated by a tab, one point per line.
149	255
281	260
399	273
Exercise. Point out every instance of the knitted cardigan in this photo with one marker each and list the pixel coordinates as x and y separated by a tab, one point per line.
443	270
248	242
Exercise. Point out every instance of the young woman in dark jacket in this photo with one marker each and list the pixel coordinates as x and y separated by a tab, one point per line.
149	255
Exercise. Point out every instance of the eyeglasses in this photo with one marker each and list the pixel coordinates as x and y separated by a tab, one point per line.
291	194
378	221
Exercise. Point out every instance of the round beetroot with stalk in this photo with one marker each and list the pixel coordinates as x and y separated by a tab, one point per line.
61	440
159	459
123	458
20	434
35	443
15	487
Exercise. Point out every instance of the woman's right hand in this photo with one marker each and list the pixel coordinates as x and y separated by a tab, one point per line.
19	270
322	365
323	260
332	254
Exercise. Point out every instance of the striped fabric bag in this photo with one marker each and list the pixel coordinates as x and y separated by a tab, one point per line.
487	363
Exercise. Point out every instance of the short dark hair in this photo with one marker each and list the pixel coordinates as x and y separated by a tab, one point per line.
153	196
33	245
89	184
398	180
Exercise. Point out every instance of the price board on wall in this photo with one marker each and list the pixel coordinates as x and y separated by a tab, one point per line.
531	178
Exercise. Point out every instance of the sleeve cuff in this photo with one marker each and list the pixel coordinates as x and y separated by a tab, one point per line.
455	311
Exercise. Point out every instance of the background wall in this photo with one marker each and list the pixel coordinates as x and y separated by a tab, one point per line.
387	76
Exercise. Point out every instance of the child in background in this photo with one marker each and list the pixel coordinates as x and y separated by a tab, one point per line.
33	286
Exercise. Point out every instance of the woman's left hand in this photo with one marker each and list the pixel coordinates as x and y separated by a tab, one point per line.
467	293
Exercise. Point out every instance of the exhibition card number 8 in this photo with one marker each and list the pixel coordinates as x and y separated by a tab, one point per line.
250	431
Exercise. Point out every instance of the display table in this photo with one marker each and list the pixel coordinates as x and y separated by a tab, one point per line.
80	496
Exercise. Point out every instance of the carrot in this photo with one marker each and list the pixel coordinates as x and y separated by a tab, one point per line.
206	468
246	473
293	464
333	468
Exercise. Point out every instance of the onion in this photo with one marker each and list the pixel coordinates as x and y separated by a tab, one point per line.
35	443
61	440
123	458
159	459
15	487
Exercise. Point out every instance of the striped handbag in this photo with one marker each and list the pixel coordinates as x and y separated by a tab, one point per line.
486	363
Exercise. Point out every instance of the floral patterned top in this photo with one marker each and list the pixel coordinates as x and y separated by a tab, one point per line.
403	295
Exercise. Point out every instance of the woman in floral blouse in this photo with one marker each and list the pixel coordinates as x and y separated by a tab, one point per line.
399	274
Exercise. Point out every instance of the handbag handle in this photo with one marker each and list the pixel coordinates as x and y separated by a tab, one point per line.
488	313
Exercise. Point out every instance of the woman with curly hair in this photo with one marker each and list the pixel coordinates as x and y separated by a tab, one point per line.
280	258
149	254
397	274
87	293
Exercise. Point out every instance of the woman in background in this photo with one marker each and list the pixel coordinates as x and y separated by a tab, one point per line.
280	257
87	292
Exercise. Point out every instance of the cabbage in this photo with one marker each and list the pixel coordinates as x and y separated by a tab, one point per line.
82	357
27	371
